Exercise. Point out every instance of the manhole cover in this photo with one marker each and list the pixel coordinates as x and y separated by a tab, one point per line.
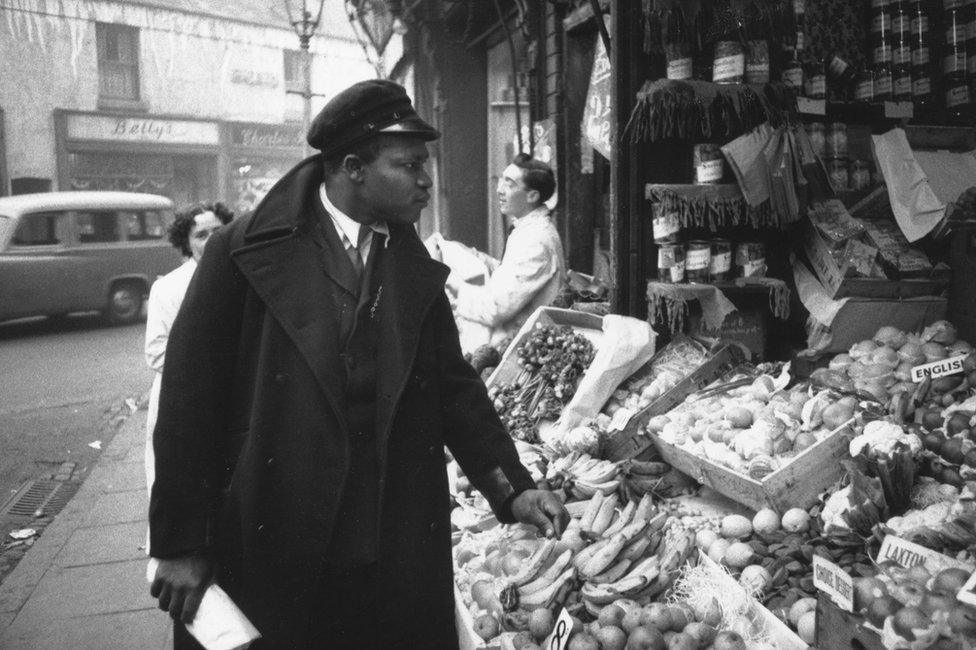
42	494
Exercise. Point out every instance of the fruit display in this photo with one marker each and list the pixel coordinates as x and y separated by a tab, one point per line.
553	358
669	366
582	475
754	427
916	607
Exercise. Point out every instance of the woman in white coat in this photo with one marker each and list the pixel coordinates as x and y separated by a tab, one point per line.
189	234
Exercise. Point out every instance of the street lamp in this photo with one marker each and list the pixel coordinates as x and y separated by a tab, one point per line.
305	25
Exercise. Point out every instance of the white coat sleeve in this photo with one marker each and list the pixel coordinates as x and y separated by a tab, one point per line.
161	311
525	269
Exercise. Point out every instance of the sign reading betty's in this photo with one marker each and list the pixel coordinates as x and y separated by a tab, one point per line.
141	129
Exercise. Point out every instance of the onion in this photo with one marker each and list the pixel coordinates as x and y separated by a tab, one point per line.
841	362
912	353
885	356
934	351
862	349
890	336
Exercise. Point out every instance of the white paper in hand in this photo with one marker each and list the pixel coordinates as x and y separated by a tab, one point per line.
219	624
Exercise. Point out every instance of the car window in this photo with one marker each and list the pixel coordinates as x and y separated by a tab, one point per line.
39	229
97	227
143	225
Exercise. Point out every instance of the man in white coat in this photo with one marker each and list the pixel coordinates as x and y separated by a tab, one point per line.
533	269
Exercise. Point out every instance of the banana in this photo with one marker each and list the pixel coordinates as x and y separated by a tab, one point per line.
614	573
584	555
624	517
677	551
649	567
582	464
606	487
608	593
602	520
656	539
636	548
647	468
545	578
581	493
592	608
534	564
603	558
592	508
657	522
600	473
632	530
645	508
539	598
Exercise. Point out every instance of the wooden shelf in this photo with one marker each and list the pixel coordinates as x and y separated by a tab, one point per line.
855	111
738	285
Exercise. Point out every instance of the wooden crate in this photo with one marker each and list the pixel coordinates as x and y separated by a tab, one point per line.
797	484
588	325
633	441
839	629
838	286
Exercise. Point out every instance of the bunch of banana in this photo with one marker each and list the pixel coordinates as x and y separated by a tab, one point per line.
640	477
540	580
601	517
583	476
641	568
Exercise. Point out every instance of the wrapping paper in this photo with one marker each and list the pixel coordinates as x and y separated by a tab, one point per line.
823	309
673	298
916	207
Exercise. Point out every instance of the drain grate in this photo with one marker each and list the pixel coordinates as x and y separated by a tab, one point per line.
41	494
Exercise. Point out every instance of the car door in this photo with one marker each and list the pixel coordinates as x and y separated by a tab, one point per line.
97	256
34	279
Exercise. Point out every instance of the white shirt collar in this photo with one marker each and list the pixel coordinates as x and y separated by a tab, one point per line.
346	226
541	211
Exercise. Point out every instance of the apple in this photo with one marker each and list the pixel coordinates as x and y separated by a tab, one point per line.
882	608
680	617
541	623
804	605
583	641
962	620
934	602
486	627
702	633
865	592
682	641
728	640
646	638
632	619
657	615
909	619
611	637
949	581
611	615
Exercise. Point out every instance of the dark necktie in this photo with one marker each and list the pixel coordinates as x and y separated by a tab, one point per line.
354	251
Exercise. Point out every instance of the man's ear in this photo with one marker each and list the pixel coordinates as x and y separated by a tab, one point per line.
532	196
353	166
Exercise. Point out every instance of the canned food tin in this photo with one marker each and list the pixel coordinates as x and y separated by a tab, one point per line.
671	263
818	138
837	140
837	172
750	259
665	224
860	175
720	267
698	259
709	164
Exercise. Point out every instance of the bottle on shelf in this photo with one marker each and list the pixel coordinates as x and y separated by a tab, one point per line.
702	58
800	24
922	83
864	86
729	61
757	45
882	82
677	44
840	76
955	22
815	79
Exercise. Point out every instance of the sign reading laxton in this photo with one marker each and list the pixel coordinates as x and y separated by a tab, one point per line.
142	129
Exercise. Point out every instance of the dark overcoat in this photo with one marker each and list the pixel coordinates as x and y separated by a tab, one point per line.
252	444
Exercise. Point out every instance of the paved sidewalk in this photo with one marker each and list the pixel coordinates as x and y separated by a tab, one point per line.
83	583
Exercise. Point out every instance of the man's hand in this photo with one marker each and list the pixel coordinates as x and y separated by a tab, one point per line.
180	583
543	509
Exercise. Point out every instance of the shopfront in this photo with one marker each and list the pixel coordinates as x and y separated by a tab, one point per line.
175	157
259	155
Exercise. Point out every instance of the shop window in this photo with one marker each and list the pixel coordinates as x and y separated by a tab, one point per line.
38	230
97	227
29	185
294	75
143	226
118	61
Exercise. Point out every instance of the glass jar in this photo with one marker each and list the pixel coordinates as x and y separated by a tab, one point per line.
882	82
666	225
750	260
698	259
815	79
864	86
720	267
792	73
901	84
860	175
818	138
729	63
837	140
709	164
671	263
837	173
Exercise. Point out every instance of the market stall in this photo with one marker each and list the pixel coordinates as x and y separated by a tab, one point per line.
787	459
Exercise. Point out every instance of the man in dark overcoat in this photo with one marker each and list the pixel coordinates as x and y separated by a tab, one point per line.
313	377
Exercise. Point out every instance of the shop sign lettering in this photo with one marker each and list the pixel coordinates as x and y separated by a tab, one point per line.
141	129
834	581
597	113
254	78
936	369
256	135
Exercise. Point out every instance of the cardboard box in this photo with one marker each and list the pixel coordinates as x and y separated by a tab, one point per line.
633	441
747	327
834	279
860	318
797	484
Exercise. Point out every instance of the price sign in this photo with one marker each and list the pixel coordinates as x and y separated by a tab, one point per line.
620	419
908	554
936	369
559	638
968	592
834	581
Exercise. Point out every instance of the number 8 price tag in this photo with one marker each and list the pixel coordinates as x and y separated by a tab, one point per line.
559	638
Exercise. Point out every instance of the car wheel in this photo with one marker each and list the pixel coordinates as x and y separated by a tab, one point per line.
124	303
